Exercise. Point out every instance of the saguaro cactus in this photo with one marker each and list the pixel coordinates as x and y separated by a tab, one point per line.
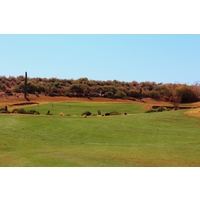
25	86
140	93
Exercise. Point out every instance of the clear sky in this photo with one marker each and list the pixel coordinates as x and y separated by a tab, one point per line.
124	57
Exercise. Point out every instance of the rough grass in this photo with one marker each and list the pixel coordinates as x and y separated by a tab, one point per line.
141	139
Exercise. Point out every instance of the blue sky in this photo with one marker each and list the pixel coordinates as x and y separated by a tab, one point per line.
166	58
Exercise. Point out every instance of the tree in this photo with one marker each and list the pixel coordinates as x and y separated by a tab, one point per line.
175	98
187	93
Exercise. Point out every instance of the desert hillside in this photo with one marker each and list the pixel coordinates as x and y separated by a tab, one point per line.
41	89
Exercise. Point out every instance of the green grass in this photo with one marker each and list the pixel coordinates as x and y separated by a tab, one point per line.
77	108
168	138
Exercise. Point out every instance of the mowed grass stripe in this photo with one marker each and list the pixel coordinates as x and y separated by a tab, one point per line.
168	138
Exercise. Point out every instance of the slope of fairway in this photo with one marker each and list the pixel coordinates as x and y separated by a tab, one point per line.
168	138
77	108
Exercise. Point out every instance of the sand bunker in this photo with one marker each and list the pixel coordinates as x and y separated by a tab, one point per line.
194	112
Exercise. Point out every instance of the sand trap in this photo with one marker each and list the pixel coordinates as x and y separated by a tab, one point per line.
194	112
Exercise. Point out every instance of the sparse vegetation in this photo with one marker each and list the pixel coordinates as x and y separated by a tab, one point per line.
159	109
23	111
32	111
87	113
19	111
151	110
90	88
2	109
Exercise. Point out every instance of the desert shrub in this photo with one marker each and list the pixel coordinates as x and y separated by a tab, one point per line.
151	94
154	94
2	109
9	92
23	111
93	94
109	94
19	110
134	83
48	112
146	94
148	85
61	114
18	88
87	113
160	109
69	94
134	93
32	88
33	111
120	94
36	94
187	94
76	88
151	110
3	87
99	112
